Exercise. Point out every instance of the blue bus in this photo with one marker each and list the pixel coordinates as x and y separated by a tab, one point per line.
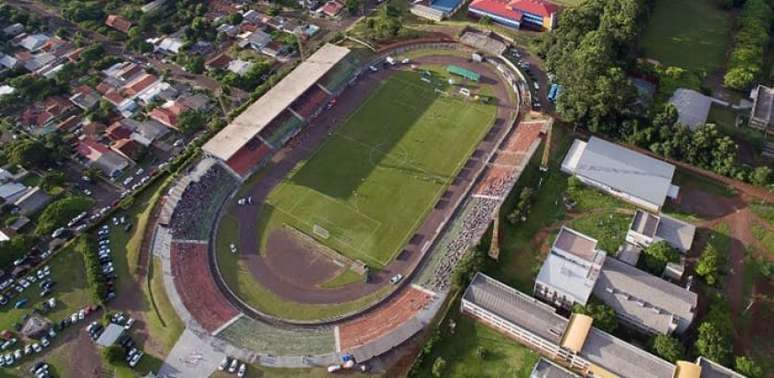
554	92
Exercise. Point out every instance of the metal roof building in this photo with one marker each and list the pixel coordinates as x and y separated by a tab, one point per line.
692	107
647	228
645	301
629	175
570	270
574	345
258	115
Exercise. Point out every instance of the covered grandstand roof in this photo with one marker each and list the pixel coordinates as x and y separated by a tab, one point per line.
248	124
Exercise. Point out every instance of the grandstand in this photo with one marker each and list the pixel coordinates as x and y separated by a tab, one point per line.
259	336
198	204
282	111
196	286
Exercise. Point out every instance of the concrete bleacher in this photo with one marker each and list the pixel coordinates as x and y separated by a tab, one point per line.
281	129
310	103
381	322
267	339
249	157
196	286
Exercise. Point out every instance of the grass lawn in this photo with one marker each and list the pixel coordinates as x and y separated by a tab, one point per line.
70	291
372	184
692	34
161	320
686	179
239	278
764	237
502	357
764	210
345	278
608	227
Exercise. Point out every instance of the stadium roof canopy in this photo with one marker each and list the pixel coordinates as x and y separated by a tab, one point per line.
248	124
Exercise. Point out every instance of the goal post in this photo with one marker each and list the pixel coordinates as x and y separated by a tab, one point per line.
320	231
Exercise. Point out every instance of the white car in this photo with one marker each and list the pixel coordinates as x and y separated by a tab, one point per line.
232	247
37	348
233	367
242	370
396	278
223	364
373	69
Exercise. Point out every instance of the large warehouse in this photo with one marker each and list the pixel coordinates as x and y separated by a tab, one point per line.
281	112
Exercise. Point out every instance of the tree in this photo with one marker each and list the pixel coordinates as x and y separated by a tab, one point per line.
191	121
709	264
713	343
58	213
668	348
113	354
51	180
657	255
439	365
27	152
15	248
603	315
353	6
761	176
748	367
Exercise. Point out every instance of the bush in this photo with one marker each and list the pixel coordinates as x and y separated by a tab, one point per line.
93	268
113	354
747	58
709	265
657	255
58	213
668	348
748	367
439	365
603	315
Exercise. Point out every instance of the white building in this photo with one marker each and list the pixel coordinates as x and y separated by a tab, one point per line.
632	176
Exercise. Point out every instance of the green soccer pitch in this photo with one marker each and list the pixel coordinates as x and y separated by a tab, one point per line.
371	184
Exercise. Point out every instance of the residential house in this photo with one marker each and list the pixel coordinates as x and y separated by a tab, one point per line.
42	114
120	129
258	39
153	6
196	102
119	23
255	17
34	200
229	30
762	113
158	90
69	124
168	113
9	62
128	148
218	62
332	8
99	156
170	45
93	130
138	84
13	30
632	176
33	42
84	97
39	61
539	14
149	131
239	67
570	270
692	107
274	49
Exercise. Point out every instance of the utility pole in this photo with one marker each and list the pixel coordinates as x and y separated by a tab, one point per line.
301	51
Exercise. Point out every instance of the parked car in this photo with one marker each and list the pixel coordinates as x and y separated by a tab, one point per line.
396	278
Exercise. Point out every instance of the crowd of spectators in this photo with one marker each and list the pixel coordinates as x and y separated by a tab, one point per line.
199	204
474	223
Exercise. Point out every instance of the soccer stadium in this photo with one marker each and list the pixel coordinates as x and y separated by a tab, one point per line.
358	170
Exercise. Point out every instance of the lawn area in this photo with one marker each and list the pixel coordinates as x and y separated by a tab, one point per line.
502	357
239	278
161	320
764	210
692	34
345	278
765	238
71	291
373	183
686	179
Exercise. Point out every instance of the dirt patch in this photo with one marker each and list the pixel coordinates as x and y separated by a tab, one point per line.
297	261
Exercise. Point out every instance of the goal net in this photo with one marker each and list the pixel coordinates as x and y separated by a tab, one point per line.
320	231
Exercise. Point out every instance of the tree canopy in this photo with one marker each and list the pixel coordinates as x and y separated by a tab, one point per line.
603	315
657	255
668	348
58	213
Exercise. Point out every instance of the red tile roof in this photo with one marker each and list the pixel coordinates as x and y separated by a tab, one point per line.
515	9
117	131
119	23
129	148
91	149
537	7
168	114
114	97
139	84
332	8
